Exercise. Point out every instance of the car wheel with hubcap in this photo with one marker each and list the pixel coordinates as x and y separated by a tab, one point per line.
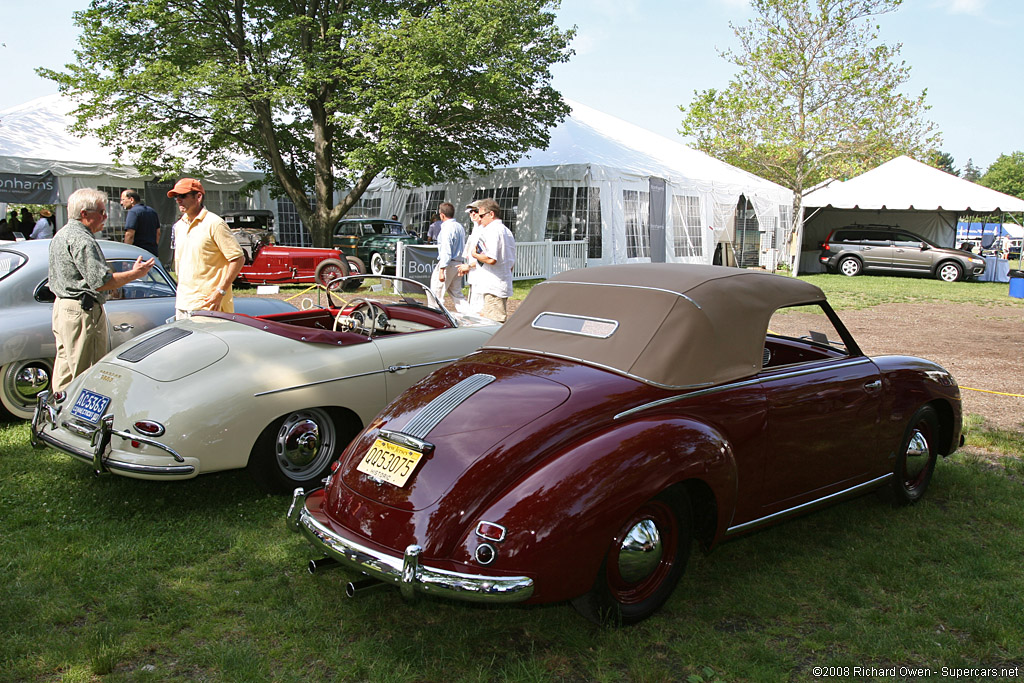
849	266
949	272
645	559
377	263
295	450
916	459
22	381
329	270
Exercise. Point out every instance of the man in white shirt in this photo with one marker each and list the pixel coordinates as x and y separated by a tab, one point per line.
495	255
451	240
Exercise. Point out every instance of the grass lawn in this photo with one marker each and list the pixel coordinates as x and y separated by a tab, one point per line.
111	579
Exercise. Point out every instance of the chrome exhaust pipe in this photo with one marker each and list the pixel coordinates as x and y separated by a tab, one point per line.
356	588
323	563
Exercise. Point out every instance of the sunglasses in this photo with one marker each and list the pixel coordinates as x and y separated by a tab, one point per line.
179	197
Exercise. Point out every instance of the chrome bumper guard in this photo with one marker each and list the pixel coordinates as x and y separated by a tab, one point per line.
407	573
99	438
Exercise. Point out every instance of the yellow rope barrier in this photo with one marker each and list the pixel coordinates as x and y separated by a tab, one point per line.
1000	393
313	286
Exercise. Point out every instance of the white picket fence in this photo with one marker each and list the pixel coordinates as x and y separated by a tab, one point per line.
545	259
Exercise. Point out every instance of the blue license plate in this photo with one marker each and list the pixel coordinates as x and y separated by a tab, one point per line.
90	406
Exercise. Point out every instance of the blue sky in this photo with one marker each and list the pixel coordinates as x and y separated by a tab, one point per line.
640	59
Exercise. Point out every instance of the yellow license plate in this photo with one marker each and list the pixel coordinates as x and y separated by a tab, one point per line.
389	462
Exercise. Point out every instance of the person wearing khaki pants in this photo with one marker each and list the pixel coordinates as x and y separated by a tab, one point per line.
79	278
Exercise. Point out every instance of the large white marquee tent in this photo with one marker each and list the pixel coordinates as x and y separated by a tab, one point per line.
901	192
634	195
34	140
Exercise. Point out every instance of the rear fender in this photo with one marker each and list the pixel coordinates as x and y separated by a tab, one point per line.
561	517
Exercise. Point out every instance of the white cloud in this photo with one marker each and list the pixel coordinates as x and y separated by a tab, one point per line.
962	6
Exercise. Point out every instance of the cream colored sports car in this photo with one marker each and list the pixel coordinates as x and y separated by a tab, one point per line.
280	394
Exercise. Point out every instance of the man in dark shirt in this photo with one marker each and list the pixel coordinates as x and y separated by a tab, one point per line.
141	223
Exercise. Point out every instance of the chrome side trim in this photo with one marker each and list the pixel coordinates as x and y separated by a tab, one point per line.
742	383
799	508
358	374
429	415
407	572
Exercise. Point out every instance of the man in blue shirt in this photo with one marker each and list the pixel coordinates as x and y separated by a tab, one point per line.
451	240
141	223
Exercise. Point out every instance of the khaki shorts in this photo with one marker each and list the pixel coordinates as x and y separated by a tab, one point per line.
495	308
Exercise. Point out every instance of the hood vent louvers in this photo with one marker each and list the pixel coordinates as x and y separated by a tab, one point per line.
153	344
435	411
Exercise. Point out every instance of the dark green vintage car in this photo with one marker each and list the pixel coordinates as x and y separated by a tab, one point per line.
372	240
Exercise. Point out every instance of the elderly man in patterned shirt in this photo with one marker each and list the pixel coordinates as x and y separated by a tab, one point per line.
79	279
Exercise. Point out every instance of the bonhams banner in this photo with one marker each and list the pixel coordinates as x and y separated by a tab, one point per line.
416	262
22	188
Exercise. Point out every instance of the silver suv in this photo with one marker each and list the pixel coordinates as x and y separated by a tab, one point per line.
858	249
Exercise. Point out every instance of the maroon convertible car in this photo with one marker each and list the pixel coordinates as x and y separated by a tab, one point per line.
622	413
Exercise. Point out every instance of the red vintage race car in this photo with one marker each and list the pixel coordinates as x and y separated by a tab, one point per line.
270	263
622	413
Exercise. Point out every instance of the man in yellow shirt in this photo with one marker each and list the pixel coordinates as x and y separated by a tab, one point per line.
207	257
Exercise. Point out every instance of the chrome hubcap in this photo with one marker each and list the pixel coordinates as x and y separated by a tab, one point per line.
917	457
30	381
640	552
305	443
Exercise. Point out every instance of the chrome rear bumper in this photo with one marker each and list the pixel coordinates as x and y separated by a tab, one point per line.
99	435
405	572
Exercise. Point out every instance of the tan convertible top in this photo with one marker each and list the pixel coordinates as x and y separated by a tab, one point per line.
673	325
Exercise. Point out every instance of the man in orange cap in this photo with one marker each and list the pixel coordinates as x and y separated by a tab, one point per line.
207	257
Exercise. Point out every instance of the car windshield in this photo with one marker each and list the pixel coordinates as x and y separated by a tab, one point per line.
383	289
10	262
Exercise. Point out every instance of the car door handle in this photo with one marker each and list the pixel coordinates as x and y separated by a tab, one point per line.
398	368
123	327
874	386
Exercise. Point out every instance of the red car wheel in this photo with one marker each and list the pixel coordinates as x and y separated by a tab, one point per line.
329	270
645	559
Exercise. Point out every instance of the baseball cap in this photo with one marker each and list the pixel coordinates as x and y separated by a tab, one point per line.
186	185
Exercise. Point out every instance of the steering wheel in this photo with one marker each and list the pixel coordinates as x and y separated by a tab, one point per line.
367	326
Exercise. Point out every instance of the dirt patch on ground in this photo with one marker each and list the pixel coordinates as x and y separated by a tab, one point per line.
981	345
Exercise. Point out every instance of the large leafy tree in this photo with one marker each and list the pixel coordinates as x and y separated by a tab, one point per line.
324	94
1006	175
816	96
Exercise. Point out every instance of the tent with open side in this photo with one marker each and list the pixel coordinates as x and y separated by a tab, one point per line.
901	192
633	195
42	163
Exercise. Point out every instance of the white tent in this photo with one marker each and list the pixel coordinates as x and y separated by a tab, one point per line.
34	140
634	195
901	192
